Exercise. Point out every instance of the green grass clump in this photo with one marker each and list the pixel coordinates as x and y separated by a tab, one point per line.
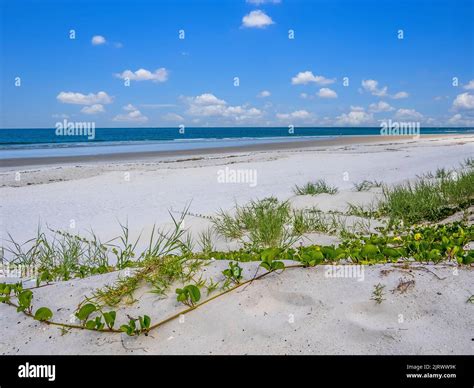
60	255
310	220
228	226
314	188
261	223
206	240
366	185
468	163
370	211
429	199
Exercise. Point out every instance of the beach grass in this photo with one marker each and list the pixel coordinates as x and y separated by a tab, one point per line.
315	188
310	220
429	199
261	223
206	240
468	163
366	185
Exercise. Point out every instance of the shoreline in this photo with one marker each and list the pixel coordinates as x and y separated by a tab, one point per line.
151	155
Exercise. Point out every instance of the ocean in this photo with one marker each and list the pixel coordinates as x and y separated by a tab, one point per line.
44	142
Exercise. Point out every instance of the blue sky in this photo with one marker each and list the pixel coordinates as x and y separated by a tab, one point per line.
281	81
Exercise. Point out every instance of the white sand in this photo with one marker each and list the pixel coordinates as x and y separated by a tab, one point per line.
331	316
98	196
300	311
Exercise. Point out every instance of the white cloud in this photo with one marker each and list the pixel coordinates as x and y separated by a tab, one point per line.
208	105
455	119
159	75
459	119
372	86
129	108
98	40
84	99
305	77
400	95
133	115
469	85
380	106
207	99
264	93
260	2
357	116
257	19
172	117
296	115
93	109
464	101
327	93
408	114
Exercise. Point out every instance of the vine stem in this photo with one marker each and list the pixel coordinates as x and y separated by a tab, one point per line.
166	320
161	323
68	325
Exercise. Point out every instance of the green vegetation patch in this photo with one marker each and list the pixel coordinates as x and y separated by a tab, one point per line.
314	188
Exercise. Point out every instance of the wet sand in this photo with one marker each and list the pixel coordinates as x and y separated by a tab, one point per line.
146	156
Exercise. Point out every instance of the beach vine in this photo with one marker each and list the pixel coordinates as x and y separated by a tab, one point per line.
267	230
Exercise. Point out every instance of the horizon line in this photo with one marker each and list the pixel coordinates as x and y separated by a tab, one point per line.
252	126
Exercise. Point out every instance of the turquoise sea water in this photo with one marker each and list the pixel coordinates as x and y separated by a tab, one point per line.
21	143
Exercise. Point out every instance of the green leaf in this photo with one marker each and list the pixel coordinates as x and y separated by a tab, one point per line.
6	289
278	265
98	323
43	314
329	252
145	322
392	253
369	250
109	318
469	258
126	329
265	265
182	297
24	300
194	292
85	311
316	256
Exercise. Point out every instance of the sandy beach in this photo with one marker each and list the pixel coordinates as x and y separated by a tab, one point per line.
299	311
98	195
